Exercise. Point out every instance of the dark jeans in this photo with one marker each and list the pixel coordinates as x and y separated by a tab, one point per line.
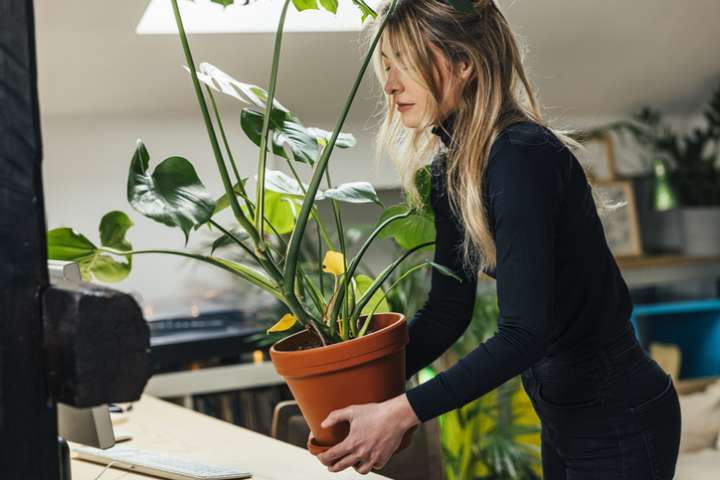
606	413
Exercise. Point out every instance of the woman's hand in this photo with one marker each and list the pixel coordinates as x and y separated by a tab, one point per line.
376	430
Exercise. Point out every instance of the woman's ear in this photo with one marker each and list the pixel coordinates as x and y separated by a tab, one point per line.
465	69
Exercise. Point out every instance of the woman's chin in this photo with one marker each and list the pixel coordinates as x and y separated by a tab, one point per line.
408	120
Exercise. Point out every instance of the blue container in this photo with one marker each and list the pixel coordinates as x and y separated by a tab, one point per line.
694	326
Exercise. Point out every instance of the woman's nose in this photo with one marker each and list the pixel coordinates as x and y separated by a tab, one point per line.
392	85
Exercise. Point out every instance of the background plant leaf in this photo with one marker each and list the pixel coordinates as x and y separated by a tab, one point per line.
408	232
363	282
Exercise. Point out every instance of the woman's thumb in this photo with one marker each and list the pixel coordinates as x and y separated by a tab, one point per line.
335	417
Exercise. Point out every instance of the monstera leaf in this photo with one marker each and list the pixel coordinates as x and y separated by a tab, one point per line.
304	146
68	245
352	192
172	194
344	140
220	81
304	142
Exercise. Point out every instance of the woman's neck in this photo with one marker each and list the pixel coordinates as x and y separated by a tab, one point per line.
445	129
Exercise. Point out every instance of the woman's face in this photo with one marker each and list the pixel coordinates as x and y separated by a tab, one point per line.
405	91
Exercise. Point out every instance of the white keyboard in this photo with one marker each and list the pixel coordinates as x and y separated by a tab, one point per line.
155	463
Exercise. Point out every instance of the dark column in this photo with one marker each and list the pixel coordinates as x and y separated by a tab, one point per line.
28	426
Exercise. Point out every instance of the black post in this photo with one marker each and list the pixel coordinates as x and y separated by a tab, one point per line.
28	425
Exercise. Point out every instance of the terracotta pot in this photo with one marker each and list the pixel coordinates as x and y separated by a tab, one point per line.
362	370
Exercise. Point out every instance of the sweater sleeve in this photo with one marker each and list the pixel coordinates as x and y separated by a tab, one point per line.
525	186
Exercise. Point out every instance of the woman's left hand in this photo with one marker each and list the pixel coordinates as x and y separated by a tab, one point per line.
376	430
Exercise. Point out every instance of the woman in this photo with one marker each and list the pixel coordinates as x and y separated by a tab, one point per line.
511	200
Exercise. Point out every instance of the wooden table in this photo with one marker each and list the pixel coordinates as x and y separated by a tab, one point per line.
165	427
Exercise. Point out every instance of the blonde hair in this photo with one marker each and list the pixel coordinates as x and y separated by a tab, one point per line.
496	94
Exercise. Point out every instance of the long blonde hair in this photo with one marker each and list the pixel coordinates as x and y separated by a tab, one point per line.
496	94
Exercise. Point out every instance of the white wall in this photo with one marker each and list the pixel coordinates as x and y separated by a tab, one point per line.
86	161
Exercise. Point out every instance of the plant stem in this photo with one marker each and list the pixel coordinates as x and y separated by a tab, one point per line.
260	195
314	212
356	260
299	231
343	250
377	283
227	184
266	262
243	193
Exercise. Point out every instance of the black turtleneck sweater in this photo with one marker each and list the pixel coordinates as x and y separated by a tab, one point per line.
558	285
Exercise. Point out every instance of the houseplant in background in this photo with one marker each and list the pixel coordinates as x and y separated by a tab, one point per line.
341	346
685	173
496	436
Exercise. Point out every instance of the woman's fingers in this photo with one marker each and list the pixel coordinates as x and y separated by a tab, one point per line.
365	467
348	461
335	453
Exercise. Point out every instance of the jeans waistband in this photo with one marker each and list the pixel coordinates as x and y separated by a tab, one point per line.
615	355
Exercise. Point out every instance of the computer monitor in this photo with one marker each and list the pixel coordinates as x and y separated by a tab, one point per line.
89	426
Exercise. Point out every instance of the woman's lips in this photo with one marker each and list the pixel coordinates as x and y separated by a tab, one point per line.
404	106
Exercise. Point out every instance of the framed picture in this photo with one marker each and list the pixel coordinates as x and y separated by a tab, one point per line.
599	158
622	231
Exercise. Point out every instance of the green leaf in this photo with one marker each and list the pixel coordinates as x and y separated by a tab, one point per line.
444	270
354	192
173	194
423	185
277	181
301	5
363	282
303	145
344	140
245	92
113	227
224	3
107	269
407	232
226	240
222	203
68	245
330	5
278	212
464	6
365	10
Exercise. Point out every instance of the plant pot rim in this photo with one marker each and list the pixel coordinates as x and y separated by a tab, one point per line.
327	348
324	359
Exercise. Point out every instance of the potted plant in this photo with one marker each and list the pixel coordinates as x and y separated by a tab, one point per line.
340	345
686	170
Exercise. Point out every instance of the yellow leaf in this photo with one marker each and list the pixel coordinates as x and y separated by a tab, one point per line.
334	262
285	323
